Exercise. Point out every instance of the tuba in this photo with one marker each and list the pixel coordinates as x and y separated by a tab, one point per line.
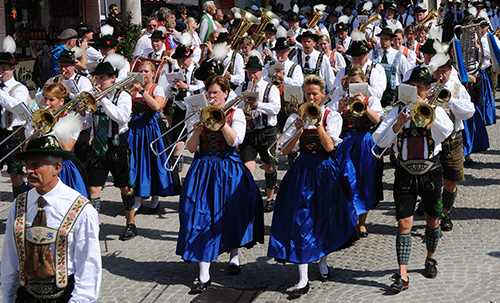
247	20
259	36
432	15
318	15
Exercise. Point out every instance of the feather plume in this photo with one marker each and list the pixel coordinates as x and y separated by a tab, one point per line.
237	15
118	61
296	9
186	39
319	7
255	53
367	6
357	36
392	26
78	51
339	9
219	51
107	30
438	47
67	126
484	15
275	22
9	45
473	11
343	19
162	29
437	61
281	32
222	30
435	33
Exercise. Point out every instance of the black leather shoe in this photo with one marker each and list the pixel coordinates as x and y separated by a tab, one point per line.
269	207
446	224
200	287
154	211
399	284
234	269
362	234
298	292
324	278
129	232
431	270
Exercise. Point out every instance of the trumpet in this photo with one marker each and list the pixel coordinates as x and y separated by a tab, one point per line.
356	108
309	113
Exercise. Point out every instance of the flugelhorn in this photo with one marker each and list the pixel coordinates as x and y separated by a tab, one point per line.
371	20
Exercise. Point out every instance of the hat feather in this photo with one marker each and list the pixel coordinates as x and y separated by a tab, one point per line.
343	19
437	61
78	51
319	7
186	39
107	30
66	126
484	15
281	32
255	53
296	9
219	51
438	47
275	22
118	61
357	36
222	30
9	45
473	11
162	29
367	6
435	33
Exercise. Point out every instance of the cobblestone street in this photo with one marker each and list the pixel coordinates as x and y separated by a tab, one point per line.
146	269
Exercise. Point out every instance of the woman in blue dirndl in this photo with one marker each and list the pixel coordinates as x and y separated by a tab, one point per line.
313	213
354	153
66	130
147	172
220	207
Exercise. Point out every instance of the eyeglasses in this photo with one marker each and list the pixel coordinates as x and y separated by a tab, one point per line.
115	9
152	25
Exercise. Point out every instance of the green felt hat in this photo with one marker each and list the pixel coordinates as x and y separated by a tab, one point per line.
45	146
8	58
182	52
420	74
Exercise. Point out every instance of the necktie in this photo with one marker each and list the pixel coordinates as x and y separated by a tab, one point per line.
384	58
100	142
2	85
39	261
401	20
306	65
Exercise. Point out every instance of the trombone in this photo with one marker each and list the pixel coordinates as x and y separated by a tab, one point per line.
309	113
43	120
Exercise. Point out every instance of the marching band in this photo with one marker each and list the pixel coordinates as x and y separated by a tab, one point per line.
376	80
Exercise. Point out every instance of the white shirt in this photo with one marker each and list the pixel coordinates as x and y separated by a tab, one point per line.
143	45
296	79
325	70
120	113
239	68
197	87
239	125
84	253
93	55
460	104
377	83
83	85
155	55
19	95
403	64
270	108
441	128
333	128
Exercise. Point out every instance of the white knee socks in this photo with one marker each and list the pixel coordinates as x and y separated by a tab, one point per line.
233	257
204	272
303	278
138	203
323	265
154	201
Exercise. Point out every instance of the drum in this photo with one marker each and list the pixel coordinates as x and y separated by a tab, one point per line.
159	66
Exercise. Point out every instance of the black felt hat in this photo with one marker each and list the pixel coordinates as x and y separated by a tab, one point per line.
157	35
270	28
292	17
428	47
224	37
308	33
253	63
8	58
83	28
281	43
358	48
390	5
387	31
107	41
419	9
420	74
105	68
182	52
67	56
45	146
207	69
341	27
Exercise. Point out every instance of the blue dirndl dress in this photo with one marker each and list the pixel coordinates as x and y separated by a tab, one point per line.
313	212
475	135
489	99
220	205
73	175
147	172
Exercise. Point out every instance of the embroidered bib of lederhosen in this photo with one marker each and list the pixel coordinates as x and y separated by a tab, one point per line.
139	105
392	68
352	123
309	140
232	63
44	235
214	140
416	166
291	70
265	99
309	71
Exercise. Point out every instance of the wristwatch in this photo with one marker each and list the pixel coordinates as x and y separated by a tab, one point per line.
141	91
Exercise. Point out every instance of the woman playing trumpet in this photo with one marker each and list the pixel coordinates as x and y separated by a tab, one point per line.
313	213
353	154
147	173
220	206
